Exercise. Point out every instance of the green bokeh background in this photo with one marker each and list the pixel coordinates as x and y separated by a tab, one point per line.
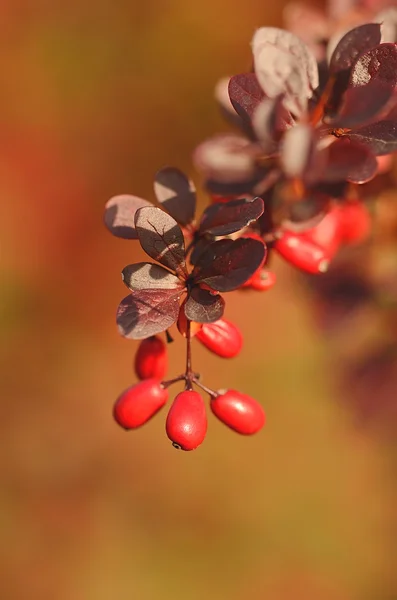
96	96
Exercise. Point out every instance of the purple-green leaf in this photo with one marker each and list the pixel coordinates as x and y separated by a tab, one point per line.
176	193
202	306
161	238
225	218
147	312
380	137
245	94
226	264
119	215
227	158
354	43
349	161
144	275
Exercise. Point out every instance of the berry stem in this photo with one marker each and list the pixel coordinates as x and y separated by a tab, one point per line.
166	384
206	389
189	376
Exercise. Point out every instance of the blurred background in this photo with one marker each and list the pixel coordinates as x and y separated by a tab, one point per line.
96	96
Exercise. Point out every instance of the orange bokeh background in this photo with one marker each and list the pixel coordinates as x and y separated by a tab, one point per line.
96	96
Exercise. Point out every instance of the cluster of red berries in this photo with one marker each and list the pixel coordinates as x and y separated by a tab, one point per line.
186	423
310	133
312	249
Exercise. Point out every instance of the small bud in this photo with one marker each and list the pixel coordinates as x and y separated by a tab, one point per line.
186	423
139	403
238	411
221	337
151	358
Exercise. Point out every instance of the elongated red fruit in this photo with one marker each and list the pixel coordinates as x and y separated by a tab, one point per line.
326	233
186	423
303	253
238	411
221	337
262	280
354	222
151	358
139	403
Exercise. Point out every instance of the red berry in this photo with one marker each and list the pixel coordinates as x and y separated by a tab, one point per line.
221	337
186	423
303	253
139	403
354	222
262	280
151	358
238	411
326	233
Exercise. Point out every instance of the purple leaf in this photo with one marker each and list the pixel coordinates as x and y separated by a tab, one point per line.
380	137
362	105
176	193
354	43
270	120
228	217
227	158
199	247
298	150
144	275
227	264
147	312
120	215
236	188
349	161
161	238
284	65
372	87
202	306
245	94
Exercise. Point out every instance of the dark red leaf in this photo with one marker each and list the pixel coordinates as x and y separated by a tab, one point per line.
245	94
147	312
362	105
227	264
354	43
176	193
161	238
144	275
350	161
227	158
120	215
202	306
371	89
284	65
270	120
224	188
380	137
299	151
228	217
